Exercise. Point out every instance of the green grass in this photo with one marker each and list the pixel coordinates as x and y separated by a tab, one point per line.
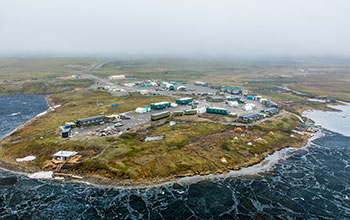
43	87
39	68
188	149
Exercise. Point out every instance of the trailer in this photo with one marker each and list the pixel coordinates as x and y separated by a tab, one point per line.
95	120
216	110
250	118
178	113
160	105
215	99
270	111
190	112
201	84
184	101
160	115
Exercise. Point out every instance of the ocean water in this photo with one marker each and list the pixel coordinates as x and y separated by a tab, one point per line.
309	183
15	110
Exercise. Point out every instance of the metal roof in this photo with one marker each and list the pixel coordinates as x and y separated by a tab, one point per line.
160	113
253	115
160	103
217	97
64	153
187	98
217	108
271	110
91	118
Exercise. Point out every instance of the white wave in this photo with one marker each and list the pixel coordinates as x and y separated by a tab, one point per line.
41	175
16	113
41	114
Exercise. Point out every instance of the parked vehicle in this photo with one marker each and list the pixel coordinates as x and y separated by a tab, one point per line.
118	125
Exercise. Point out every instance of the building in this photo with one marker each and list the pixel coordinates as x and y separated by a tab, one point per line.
181	88
65	156
184	101
178	113
160	105
117	77
215	99
216	110
270	111
95	120
190	112
160	115
235	90
218	87
168	86
269	103
250	118
201	84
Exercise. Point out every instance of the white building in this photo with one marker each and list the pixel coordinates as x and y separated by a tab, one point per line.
117	77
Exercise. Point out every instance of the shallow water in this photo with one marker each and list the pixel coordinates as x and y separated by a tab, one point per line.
334	121
310	183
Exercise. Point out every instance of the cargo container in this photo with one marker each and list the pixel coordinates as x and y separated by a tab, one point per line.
160	115
215	99
184	101
201	84
216	110
160	105
190	112
178	113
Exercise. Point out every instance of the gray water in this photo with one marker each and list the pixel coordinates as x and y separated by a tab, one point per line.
312	183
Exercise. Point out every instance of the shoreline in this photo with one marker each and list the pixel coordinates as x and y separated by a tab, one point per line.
264	165
254	169
29	121
260	165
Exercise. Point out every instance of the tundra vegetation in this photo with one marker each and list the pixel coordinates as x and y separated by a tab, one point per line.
194	146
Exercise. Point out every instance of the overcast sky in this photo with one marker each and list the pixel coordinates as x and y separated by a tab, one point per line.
178	27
